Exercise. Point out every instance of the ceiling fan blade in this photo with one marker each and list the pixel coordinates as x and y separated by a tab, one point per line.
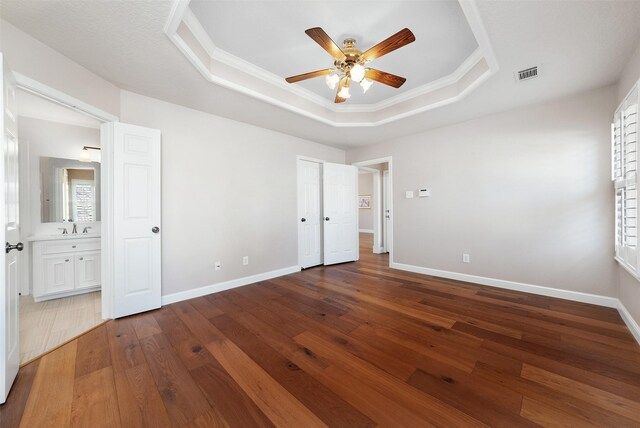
386	78
309	75
325	42
398	40
340	86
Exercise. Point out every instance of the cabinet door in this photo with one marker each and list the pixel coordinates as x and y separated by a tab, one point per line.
58	273
87	269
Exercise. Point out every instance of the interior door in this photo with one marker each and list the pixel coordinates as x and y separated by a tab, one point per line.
131	157
340	205
9	279
309	213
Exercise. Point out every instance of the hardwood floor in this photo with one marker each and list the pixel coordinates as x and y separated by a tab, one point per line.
354	345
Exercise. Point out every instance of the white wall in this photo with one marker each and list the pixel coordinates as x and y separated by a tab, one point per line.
365	187
629	75
228	190
32	58
628	286
526	192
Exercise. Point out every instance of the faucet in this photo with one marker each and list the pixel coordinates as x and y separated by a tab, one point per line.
86	229
75	229
64	230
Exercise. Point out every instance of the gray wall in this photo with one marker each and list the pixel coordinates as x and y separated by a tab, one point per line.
228	191
527	193
365	187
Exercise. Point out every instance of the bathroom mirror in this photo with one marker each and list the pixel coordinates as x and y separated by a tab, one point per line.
70	190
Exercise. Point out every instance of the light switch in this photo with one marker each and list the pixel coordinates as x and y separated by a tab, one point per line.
424	192
408	194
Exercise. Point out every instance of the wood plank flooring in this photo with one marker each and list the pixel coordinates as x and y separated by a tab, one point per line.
353	345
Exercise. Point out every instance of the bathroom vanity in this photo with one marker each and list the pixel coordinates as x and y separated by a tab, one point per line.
65	265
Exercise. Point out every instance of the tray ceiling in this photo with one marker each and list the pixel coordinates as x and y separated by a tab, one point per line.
272	37
253	52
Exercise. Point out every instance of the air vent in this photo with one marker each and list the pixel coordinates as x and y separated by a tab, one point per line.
527	73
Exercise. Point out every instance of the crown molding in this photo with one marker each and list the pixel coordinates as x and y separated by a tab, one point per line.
186	32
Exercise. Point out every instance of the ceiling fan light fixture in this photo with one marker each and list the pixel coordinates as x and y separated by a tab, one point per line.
366	84
332	80
344	93
357	73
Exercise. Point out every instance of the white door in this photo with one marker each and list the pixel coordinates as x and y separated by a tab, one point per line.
309	214
340	187
386	220
131	158
9	279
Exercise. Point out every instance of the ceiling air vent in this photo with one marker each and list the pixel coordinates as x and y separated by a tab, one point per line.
527	73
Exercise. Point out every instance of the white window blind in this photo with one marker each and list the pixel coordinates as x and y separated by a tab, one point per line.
624	172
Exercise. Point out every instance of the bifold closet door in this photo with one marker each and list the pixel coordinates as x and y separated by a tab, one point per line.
340	213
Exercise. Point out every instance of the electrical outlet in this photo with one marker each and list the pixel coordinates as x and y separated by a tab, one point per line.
466	258
245	260
218	265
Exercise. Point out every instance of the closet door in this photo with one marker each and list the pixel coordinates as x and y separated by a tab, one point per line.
309	213
340	213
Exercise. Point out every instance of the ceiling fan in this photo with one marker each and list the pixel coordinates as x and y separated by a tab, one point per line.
349	64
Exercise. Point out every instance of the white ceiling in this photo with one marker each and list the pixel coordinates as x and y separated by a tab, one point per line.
33	106
272	37
581	45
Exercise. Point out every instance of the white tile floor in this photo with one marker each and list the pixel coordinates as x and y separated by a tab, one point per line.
45	325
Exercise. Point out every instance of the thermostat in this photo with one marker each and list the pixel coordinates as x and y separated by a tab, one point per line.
423	193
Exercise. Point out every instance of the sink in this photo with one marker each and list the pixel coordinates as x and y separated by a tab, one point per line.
75	236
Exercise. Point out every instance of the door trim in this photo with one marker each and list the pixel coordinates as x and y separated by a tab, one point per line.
40	89
377	236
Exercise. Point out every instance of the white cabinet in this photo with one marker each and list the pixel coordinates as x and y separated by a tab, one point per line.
87	269
64	267
58	273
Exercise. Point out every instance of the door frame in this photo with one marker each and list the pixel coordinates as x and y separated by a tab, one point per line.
51	94
321	162
377	226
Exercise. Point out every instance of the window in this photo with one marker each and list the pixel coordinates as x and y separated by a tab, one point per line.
624	142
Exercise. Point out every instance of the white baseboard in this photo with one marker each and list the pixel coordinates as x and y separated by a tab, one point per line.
378	250
595	299
227	285
365	230
629	321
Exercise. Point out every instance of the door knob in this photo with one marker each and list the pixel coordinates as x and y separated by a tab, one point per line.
19	246
303	219
327	218
155	229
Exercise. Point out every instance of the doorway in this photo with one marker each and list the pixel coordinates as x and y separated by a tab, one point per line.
375	205
60	269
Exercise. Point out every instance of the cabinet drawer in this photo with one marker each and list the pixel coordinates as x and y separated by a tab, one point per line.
71	246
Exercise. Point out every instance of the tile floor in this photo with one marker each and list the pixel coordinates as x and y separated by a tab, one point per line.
45	325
